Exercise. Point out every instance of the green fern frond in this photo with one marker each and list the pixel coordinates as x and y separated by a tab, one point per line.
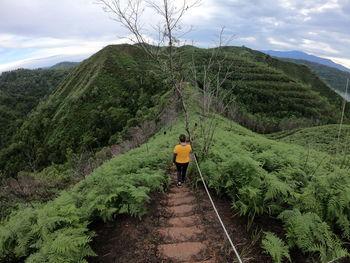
309	233
276	189
275	247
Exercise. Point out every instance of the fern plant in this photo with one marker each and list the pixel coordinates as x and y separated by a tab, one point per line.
310	234
58	230
275	247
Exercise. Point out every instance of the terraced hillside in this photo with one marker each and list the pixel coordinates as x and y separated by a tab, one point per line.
335	78
299	72
271	94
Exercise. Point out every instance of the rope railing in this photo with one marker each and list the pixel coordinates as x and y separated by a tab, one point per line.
216	211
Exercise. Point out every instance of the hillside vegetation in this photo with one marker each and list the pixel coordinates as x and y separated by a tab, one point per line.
58	230
64	65
271	94
104	95
20	92
301	73
335	78
303	189
321	138
119	87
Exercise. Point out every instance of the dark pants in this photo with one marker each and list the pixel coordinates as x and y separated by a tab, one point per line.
181	171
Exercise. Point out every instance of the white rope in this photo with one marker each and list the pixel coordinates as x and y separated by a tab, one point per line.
216	211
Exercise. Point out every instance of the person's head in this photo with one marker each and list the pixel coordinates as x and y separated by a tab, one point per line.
182	138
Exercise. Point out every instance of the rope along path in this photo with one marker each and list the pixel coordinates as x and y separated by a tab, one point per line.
216	211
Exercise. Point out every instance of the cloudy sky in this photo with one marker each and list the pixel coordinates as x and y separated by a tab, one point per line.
37	33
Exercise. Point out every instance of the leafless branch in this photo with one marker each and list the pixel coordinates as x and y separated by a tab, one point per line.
215	100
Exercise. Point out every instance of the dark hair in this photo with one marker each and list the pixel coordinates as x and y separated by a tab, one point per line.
182	138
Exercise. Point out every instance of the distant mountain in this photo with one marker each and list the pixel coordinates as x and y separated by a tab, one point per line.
64	65
335	78
301	55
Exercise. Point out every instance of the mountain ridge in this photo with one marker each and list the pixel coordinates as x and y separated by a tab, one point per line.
295	54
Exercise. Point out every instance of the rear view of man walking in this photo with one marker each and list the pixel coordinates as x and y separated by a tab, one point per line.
181	159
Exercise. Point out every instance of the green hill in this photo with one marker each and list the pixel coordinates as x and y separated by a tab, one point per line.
110	91
20	92
299	72
119	87
335	78
321	138
64	65
274	95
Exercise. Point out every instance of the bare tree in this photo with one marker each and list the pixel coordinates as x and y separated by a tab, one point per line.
214	98
24	187
129	14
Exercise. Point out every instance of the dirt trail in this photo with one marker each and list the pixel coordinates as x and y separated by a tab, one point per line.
182	236
181	226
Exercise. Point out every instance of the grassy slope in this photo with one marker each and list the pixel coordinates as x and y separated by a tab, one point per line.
321	138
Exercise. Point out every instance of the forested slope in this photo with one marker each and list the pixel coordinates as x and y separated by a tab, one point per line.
110	91
20	92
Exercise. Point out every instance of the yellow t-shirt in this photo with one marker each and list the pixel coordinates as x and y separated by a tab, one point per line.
182	153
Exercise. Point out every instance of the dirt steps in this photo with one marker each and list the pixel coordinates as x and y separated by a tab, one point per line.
183	221
182	238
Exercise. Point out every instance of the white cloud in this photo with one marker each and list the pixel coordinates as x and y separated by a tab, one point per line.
271	21
247	39
342	61
320	8
53	51
39	62
315	46
280	43
51	28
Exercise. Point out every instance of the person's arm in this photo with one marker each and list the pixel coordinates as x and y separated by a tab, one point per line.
174	154
174	157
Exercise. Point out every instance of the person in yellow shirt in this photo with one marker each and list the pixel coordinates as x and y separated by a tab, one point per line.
181	158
